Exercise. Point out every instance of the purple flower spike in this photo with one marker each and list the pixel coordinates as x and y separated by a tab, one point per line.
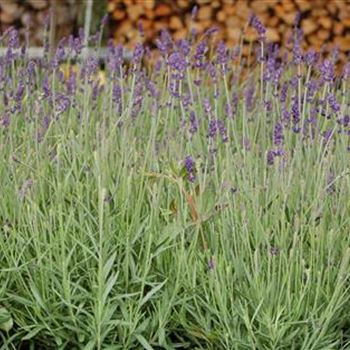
333	103
199	54
270	157
257	25
346	71
278	134
138	53
327	71
272	154
327	135
193	123
207	106
212	129
190	168
5	120
62	103
221	53
177	61
212	30
284	92
194	12
297	54
222	130
211	264
311	57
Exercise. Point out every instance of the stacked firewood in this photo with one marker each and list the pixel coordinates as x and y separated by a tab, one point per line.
28	16
323	21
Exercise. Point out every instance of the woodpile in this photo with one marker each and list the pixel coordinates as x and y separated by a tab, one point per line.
324	22
29	16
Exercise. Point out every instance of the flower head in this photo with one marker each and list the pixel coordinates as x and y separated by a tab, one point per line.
257	25
190	168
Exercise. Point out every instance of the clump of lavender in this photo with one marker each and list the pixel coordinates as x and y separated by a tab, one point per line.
91	138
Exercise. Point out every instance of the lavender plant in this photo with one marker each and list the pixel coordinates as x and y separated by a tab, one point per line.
194	203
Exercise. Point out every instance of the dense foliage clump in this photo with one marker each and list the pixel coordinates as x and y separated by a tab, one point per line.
192	203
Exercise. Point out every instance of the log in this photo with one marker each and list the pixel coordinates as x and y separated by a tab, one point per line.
325	22
221	16
10	12
303	5
322	21
273	35
146	4
38	4
134	12
118	14
175	23
183	4
204	13
309	26
163	10
180	34
259	7
343	43
288	6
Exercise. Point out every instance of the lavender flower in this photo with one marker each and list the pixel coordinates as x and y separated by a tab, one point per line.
344	121
104	20
193	123
211	264
222	130
198	57
141	29
71	83
278	134
115	58
190	168
270	157
333	103
138	53
194	12
62	103
346	71
297	54
327	71
46	87
311	57
212	128
184	47
5	120
255	22
249	97
177	61
151	87
295	111
312	87
272	154
207	106
13	39
212	30
221	54
283	93
327	136
165	43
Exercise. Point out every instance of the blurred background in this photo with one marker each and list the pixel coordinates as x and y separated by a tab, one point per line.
326	23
